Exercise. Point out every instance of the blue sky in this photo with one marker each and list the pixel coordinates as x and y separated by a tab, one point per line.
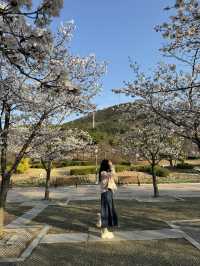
115	30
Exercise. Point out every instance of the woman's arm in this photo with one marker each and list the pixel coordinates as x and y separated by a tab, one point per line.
104	180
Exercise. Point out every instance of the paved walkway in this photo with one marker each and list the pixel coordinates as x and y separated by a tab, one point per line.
119	236
89	192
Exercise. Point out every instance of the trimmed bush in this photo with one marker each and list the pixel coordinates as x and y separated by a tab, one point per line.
125	163
37	165
83	171
121	168
184	166
160	171
193	157
66	163
92	170
63	163
23	166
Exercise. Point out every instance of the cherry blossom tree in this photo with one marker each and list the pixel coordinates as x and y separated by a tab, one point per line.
54	143
25	37
176	153
39	78
150	139
68	85
172	93
181	32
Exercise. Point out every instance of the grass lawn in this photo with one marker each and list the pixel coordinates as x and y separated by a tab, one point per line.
78	216
127	253
73	218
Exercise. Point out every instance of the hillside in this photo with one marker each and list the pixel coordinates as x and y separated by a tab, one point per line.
108	123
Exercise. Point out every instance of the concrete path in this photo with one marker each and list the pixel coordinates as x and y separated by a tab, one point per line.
90	192
119	236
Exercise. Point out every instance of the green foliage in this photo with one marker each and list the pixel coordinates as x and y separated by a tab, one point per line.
92	170
125	163
66	163
121	168
36	165
23	166
193	157
108	123
160	171
83	171
184	166
63	163
98	136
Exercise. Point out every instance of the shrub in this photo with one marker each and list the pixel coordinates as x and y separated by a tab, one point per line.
160	171
121	168
83	171
86	163
62	163
36	165
184	166
92	170
193	157
126	163
66	163
23	166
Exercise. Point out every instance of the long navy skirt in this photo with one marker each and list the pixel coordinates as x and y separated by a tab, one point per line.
108	213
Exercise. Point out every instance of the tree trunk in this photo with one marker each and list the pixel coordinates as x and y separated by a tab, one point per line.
1	221
4	189
155	185
171	162
3	195
48	179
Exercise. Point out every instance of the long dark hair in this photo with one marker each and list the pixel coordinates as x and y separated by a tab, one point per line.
105	166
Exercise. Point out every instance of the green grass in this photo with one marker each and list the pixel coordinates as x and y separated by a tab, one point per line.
13	211
127	253
160	211
78	216
74	218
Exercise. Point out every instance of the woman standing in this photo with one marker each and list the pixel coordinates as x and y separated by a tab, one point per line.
108	213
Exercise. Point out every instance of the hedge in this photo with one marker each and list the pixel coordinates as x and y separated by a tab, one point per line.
193	157
184	166
92	170
83	171
36	165
121	168
125	163
160	171
63	163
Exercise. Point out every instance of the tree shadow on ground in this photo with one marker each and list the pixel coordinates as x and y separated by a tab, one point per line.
145	253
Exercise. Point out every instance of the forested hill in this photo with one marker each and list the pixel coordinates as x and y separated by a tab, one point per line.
108	123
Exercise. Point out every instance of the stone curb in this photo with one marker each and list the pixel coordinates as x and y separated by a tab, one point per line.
186	236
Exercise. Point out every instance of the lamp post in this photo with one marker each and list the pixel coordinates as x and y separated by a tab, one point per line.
93	109
96	163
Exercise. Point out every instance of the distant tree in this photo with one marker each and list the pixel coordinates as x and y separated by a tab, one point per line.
54	143
177	150
150	139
